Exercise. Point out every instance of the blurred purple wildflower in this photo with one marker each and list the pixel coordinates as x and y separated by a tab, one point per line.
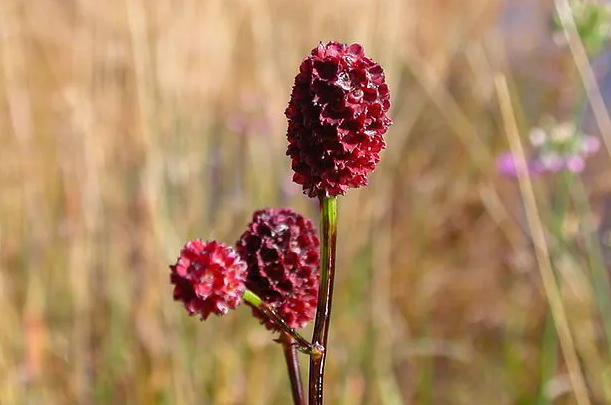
507	166
556	147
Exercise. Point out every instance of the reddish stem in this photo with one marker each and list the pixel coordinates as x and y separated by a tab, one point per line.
292	365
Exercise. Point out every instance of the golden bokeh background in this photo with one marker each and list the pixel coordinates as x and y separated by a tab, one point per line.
130	126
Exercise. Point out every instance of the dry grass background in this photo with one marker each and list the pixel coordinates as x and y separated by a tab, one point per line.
129	126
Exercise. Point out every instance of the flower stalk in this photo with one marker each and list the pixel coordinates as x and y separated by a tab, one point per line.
328	238
301	343
292	366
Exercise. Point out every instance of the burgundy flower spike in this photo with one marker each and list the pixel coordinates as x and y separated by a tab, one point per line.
281	249
336	118
208	278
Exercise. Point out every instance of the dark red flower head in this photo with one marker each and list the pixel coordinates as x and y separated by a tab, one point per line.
208	278
336	119
281	249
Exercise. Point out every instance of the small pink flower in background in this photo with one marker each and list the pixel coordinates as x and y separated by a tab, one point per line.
590	145
281	249
556	147
506	165
208	278
337	116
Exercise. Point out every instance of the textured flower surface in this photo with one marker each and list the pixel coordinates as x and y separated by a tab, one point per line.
337	116
281	249
556	147
208	278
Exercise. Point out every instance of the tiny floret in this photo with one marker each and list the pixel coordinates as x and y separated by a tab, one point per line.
208	277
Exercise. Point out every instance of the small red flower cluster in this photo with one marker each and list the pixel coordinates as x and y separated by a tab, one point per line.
281	249
337	115
208	278
277	258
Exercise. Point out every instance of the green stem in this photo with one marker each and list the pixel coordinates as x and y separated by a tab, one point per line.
599	276
328	238
292	366
301	343
560	208
549	347
549	360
